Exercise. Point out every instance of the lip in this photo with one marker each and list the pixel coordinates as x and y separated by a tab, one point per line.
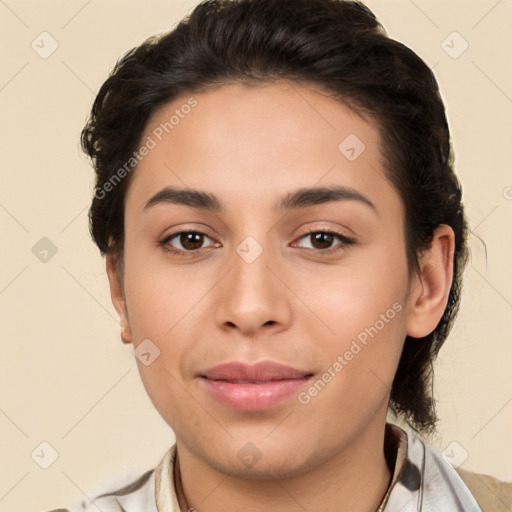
253	387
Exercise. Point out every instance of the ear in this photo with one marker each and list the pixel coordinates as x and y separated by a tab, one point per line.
430	288
117	295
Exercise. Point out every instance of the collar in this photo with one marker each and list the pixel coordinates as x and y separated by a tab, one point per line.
423	481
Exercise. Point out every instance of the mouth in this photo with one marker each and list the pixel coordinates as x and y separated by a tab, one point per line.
253	387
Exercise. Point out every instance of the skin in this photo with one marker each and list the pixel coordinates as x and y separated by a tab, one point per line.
249	146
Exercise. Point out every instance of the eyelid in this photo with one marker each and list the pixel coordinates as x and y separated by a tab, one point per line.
345	241
164	242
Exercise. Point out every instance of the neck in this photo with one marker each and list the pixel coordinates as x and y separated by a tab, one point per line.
354	479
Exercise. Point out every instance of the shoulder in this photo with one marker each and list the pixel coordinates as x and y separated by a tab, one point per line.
492	494
133	497
137	495
437	484
488	493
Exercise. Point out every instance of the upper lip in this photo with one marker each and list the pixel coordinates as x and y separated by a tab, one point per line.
261	371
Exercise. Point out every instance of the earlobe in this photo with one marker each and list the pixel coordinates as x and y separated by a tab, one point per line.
118	297
430	290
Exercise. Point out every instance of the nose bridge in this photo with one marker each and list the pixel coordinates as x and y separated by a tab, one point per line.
250	275
251	296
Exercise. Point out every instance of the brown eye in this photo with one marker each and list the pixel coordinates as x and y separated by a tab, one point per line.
184	242
324	241
191	240
321	240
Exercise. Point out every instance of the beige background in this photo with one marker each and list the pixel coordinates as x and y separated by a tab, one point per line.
65	377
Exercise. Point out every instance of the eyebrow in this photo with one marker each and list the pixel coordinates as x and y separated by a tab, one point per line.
300	198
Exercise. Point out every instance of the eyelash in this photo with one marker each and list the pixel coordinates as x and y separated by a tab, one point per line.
178	252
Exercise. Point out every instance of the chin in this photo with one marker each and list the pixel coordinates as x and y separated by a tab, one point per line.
260	461
263	469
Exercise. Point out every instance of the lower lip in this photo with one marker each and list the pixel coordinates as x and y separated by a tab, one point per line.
253	397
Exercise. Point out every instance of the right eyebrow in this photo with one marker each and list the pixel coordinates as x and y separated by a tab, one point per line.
187	197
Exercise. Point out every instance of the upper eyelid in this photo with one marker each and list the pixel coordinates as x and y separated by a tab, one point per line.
331	231
344	238
182	231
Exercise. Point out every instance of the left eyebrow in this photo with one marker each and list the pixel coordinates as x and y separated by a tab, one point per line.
305	197
300	198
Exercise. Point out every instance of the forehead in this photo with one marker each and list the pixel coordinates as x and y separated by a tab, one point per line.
240	140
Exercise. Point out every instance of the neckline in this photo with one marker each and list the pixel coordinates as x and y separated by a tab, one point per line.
169	491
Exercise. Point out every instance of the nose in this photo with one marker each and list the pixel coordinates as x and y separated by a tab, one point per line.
253	298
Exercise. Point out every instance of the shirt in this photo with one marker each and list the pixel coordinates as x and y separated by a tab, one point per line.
422	481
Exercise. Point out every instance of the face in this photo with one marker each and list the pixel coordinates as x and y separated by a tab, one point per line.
316	282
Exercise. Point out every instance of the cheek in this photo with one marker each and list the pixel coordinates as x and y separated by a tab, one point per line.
352	296
167	306
363	309
162	298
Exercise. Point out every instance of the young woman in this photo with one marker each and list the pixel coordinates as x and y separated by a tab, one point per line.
284	240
